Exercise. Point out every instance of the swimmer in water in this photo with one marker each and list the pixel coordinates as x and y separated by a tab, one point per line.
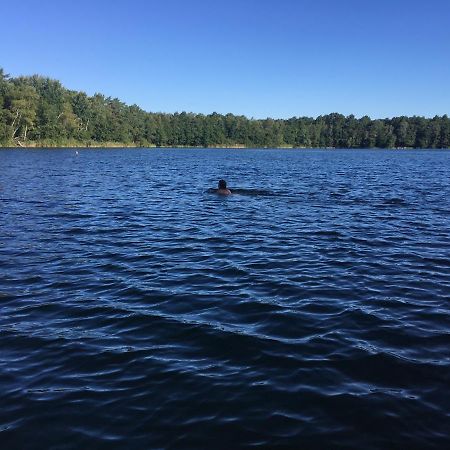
222	188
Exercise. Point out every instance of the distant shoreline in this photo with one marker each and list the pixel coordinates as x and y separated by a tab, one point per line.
112	145
40	112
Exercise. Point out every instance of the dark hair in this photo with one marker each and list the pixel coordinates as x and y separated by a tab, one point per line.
222	184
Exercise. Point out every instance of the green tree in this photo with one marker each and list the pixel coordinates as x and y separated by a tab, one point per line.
40	109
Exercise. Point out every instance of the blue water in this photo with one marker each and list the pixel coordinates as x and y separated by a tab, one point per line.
308	310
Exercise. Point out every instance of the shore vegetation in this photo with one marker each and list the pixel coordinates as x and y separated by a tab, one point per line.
36	111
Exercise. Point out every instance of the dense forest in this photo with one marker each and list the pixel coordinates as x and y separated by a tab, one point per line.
39	111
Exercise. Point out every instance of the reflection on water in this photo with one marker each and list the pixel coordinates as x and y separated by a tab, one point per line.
137	311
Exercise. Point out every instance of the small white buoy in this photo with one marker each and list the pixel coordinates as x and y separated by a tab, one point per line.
76	152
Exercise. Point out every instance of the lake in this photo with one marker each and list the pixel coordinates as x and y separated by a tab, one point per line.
308	310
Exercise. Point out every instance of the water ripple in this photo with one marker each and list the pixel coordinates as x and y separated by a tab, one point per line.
307	310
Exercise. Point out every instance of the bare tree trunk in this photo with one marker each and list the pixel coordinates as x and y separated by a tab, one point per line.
15	130
25	133
15	118
17	141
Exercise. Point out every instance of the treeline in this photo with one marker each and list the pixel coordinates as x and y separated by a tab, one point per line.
40	111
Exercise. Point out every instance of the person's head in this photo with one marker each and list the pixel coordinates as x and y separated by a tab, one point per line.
222	184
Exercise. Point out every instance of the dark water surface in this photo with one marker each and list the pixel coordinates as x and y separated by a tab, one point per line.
310	310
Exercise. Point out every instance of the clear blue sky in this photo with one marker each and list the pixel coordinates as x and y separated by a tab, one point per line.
260	58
